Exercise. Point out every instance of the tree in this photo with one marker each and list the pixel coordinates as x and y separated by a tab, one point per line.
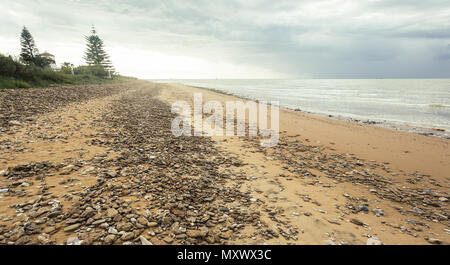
42	61
29	51
95	53
67	68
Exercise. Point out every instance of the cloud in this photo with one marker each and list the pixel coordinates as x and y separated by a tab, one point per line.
255	39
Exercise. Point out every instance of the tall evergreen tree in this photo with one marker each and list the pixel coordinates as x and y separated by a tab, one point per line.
29	51
95	53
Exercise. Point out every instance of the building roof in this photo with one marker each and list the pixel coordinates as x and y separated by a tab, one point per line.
46	54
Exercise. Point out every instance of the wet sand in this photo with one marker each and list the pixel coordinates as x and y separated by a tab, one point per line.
409	161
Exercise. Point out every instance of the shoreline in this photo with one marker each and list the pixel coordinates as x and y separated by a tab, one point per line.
322	166
105	168
392	125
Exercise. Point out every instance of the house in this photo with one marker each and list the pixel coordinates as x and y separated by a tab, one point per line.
50	57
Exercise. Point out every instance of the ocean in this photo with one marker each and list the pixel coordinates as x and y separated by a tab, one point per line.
423	103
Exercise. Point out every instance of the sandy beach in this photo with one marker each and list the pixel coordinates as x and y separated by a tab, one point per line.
105	169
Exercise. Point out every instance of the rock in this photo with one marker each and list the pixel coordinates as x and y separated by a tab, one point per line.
356	222
195	233
363	208
113	231
152	224
226	235
111	212
74	241
141	220
4	172
411	221
373	241
3	190
168	239
109	239
124	226
443	199
68	168
44	239
127	236
333	221
49	230
14	122
378	212
434	241
330	242
72	227
112	173
144	241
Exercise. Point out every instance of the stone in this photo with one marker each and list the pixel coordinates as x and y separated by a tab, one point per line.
144	241
72	227
363	208
141	220
111	212
373	241
113	231
434	241
74	241
124	226
152	224
195	233
112	174
49	230
356	222
109	239
168	239
226	235
127	236
44	239
14	122
378	212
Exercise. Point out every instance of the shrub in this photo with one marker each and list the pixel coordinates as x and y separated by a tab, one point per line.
7	65
10	82
96	70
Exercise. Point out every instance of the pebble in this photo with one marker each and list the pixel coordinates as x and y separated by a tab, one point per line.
434	241
144	241
74	241
71	227
373	241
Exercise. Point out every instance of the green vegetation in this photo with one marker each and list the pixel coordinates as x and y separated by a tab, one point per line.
95	53
29	54
33	69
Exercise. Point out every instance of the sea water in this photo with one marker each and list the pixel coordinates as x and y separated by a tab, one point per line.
414	102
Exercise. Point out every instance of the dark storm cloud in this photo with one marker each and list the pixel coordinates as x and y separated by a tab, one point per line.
296	38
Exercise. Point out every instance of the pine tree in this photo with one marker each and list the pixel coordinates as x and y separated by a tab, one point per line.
29	51
95	53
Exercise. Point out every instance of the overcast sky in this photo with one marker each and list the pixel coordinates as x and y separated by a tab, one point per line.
242	39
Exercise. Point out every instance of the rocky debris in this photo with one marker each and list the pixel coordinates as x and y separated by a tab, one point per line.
74	241
356	222
373	241
72	227
178	183
426	201
157	189
144	241
17	106
434	241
